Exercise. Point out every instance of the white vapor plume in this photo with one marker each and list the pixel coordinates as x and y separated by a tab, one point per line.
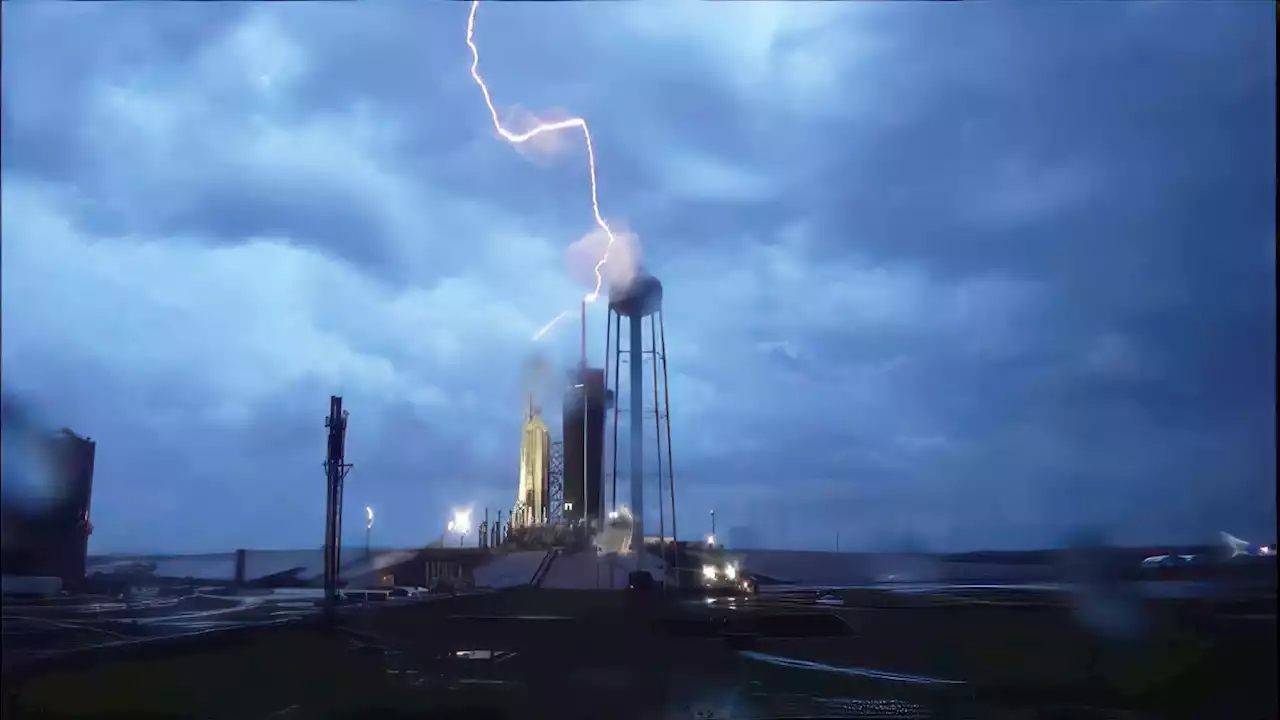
537	379
624	257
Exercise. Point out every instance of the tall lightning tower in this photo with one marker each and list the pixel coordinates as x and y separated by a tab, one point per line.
642	299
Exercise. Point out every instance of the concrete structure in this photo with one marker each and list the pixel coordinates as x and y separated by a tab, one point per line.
588	570
511	569
640	299
50	538
306	567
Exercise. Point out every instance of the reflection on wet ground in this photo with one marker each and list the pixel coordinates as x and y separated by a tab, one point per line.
851	671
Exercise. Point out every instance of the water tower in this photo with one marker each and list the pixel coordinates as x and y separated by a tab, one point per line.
636	302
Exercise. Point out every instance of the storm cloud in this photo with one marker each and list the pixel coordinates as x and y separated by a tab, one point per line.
973	275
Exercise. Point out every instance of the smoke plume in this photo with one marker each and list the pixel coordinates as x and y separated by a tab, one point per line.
536	383
624	257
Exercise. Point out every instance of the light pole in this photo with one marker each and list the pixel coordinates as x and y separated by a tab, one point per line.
711	539
368	530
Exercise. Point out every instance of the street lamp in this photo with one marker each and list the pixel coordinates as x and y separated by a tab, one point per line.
368	529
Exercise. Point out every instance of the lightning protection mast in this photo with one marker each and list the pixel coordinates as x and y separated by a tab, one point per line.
335	470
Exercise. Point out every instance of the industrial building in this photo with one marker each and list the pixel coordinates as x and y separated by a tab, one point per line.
51	539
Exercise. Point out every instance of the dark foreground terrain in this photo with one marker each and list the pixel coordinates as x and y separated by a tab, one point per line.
590	654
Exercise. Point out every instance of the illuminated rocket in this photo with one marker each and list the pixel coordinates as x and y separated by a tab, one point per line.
533	491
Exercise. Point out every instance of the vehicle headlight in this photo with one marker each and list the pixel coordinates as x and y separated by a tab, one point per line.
709	572
730	572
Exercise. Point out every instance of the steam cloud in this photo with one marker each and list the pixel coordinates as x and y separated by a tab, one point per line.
537	380
624	257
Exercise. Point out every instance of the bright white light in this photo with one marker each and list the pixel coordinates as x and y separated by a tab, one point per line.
461	522
368	511
450	526
709	572
711	539
730	572
613	515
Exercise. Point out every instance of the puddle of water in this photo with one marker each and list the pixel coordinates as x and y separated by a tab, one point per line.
870	673
509	617
482	655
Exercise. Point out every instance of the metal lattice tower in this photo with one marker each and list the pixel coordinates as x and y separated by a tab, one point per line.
556	482
335	469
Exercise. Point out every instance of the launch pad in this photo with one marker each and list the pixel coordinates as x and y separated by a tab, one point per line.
573	482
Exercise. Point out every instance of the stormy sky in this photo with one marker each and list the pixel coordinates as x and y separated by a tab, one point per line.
939	275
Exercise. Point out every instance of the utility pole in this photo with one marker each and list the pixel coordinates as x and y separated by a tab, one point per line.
336	469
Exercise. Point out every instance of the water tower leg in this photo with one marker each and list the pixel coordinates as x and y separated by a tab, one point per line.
657	440
671	468
636	399
617	393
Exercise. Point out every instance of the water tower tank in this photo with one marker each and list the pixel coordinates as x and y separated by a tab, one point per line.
640	298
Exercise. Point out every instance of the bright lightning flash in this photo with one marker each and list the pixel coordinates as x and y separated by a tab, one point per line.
518	138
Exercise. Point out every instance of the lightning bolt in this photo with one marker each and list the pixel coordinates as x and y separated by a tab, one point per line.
547	328
518	138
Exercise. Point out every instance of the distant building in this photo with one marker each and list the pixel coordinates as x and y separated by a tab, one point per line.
53	540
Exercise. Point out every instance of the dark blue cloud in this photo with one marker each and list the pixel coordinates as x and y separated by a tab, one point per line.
953	275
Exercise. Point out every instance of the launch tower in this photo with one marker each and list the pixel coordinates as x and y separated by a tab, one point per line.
585	401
